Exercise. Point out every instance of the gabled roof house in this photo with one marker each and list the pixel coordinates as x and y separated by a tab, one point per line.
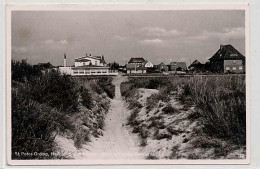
227	59
137	61
196	66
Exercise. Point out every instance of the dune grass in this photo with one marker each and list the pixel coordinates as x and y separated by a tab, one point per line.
46	103
220	101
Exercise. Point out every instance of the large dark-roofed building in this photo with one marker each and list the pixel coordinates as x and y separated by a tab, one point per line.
227	59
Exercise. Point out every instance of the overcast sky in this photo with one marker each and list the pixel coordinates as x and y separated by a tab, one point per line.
158	36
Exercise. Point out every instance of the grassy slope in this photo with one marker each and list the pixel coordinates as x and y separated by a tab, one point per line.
47	105
172	124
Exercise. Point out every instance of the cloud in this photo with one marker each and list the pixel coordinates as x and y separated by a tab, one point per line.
224	34
51	42
119	38
22	49
63	42
238	32
151	41
160	32
48	42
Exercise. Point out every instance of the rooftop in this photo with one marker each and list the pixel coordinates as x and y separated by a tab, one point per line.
136	60
227	52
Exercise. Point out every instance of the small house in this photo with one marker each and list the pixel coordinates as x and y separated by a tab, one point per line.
148	64
162	68
177	67
196	66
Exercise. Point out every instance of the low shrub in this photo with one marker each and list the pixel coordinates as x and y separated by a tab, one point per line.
205	142
157	123
126	89
143	133
132	118
152	157
80	137
174	131
87	99
174	152
154	99
105	83
95	87
168	109
143	142
101	123
134	104
193	156
161	136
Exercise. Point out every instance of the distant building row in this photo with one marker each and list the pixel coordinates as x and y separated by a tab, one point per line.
226	60
139	65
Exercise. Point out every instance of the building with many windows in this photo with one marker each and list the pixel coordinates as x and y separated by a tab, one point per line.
88	65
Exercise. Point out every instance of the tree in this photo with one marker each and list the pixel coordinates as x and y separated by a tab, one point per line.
114	65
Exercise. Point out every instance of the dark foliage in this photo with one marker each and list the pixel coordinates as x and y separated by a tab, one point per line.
151	157
132	118
104	85
168	109
55	90
87	99
34	126
44	104
22	71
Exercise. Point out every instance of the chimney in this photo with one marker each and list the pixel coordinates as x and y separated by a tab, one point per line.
65	60
90	55
221	47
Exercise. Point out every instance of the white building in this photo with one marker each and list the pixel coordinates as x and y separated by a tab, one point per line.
148	64
90	60
88	65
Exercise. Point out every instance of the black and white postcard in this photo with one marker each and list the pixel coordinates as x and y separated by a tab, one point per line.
127	84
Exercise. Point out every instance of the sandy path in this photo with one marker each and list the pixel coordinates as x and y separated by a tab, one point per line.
117	141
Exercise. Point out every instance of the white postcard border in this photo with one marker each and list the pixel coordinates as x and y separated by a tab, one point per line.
121	7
